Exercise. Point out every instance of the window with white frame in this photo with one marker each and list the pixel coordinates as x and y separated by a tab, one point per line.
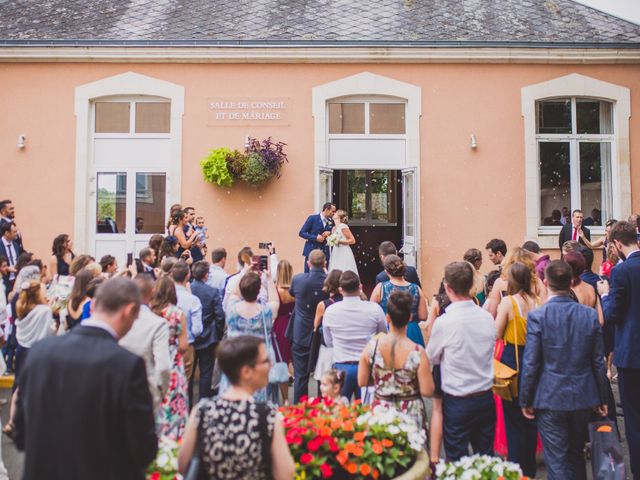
366	118
575	139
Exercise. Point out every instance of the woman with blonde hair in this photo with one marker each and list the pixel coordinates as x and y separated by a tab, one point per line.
500	287
474	257
284	274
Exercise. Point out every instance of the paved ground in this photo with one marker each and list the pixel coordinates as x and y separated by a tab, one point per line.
13	459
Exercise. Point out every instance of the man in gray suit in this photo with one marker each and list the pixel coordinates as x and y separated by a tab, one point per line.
563	374
149	339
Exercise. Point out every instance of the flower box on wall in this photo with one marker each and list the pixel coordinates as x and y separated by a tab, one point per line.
260	162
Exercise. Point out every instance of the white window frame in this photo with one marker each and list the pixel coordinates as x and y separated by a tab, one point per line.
138	88
132	101
575	85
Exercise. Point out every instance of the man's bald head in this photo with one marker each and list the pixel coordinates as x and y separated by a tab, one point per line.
317	259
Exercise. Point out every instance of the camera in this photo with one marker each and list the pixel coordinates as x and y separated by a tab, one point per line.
264	245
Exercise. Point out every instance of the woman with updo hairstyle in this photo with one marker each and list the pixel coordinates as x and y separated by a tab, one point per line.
325	355
246	316
395	268
584	293
79	263
401	372
240	439
179	224
474	257
169	248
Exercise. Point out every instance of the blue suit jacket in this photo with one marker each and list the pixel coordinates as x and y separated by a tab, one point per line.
213	320
307	290
622	308
310	230
563	363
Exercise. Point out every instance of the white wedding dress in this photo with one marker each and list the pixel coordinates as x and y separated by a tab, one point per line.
342	256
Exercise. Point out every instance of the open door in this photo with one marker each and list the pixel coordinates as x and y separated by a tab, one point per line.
325	187
409	212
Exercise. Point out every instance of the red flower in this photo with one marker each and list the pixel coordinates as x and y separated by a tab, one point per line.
306	458
326	471
315	444
155	476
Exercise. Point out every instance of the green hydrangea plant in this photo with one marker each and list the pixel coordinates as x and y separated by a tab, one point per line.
215	169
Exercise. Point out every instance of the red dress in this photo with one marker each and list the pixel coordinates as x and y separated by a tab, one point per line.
280	327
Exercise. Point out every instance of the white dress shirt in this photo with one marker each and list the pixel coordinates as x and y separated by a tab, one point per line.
149	339
192	309
348	326
217	277
462	343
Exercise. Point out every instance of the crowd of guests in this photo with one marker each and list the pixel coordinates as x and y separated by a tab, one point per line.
107	358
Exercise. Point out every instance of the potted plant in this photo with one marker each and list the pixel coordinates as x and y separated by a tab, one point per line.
479	467
260	162
331	440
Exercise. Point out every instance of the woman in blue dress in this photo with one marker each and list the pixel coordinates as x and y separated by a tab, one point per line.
395	268
247	316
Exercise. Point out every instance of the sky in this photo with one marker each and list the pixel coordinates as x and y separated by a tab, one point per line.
627	9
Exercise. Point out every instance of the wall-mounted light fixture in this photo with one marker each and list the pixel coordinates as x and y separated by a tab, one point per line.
21	139
247	141
474	141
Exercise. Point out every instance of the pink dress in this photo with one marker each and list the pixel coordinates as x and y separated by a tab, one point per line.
280	327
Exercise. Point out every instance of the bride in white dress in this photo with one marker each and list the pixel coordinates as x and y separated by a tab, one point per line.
341	255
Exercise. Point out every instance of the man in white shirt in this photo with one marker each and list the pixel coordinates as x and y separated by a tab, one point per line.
462	342
348	326
149	339
217	275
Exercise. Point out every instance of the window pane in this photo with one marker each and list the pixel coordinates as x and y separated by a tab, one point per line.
112	117
555	181
153	117
346	118
593	116
380	198
554	116
150	202
112	203
595	182
386	118
409	206
357	194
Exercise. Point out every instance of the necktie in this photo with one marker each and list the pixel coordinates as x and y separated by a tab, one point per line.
7	247
575	233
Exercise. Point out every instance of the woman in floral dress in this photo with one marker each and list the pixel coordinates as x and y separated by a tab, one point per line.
174	411
401	372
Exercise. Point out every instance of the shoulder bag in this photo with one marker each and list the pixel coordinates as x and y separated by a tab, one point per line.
317	339
196	468
279	372
505	378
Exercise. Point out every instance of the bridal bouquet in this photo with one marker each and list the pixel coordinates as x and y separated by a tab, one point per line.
478	467
333	240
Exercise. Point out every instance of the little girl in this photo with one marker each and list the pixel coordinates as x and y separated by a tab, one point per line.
331	385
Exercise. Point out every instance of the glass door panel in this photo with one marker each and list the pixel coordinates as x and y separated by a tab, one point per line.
151	192
111	206
409	239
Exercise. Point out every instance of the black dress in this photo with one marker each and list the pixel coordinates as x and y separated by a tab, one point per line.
236	438
63	267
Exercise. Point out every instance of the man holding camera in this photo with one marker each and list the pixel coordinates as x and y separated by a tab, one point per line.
315	231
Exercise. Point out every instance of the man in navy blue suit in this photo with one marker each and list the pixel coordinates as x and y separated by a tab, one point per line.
621	307
306	288
563	376
316	230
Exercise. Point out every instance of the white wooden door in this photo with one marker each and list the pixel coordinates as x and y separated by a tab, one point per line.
410	217
325	187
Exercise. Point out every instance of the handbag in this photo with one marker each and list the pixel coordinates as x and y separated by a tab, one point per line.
505	378
314	350
607	461
279	372
196	468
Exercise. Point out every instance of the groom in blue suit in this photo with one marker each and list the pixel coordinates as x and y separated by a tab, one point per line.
316	230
